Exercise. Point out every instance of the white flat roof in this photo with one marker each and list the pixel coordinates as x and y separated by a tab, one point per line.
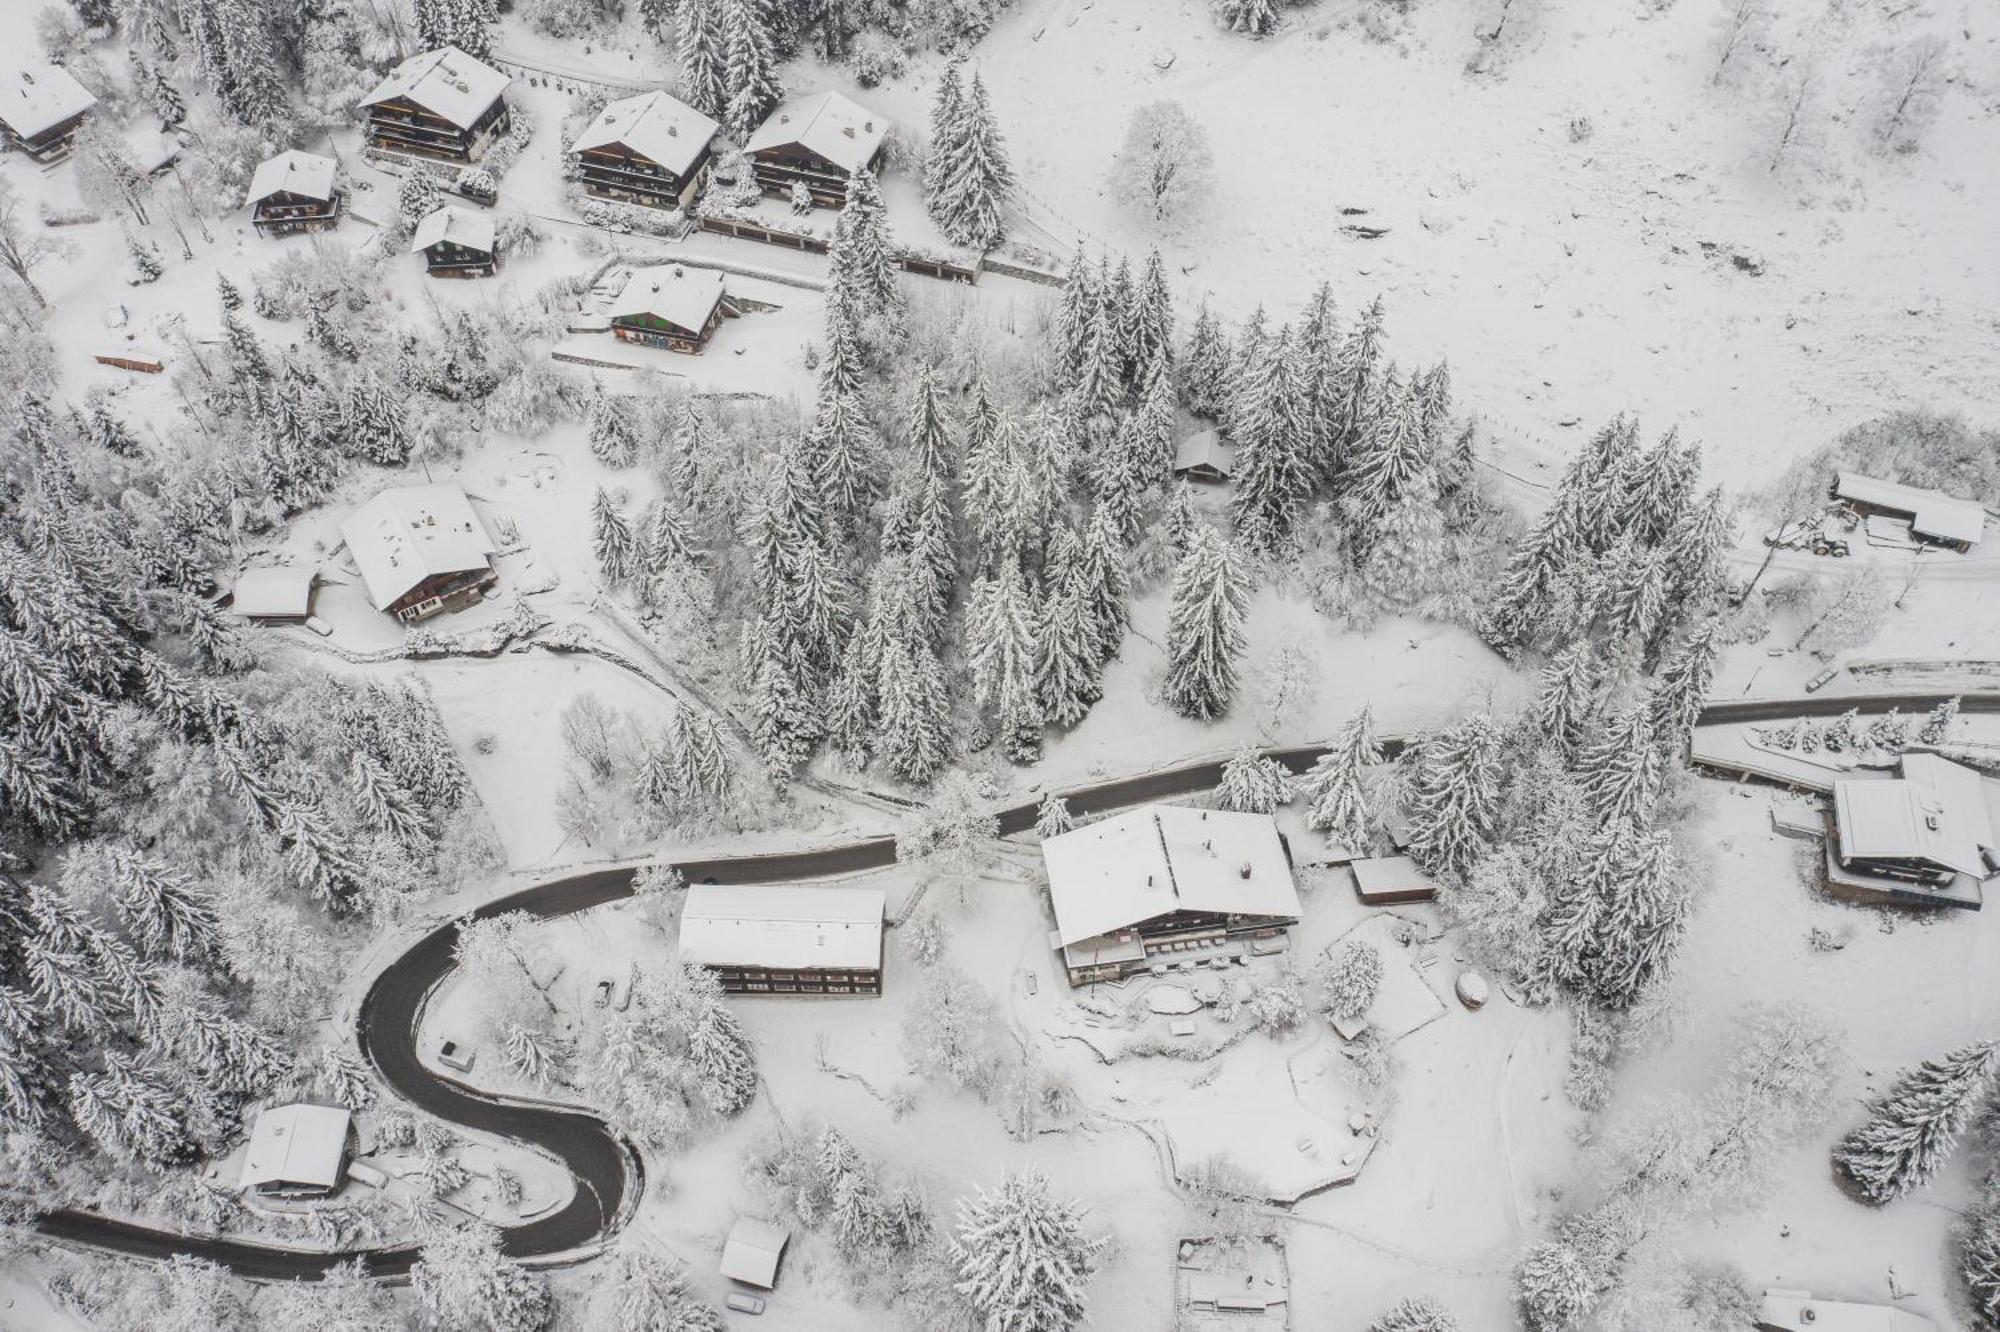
752	1252
682	296
1158	859
654	125
460	226
763	925
410	533
298	1144
36	97
1203	447
1936	812
293	172
446	82
1932	512
838	128
1797	1311
274	592
1374	874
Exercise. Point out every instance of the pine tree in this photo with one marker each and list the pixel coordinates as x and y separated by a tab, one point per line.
1680	691
1453	795
1419	1313
226	291
1937	727
1068	661
1568	704
1000	643
1912	1130
1075	313
704	58
1356	377
1053	819
1406	551
612	439
844	453
1622	769
1205	627
1258	18
978	179
947	146
863	258
1335	787
1152	330
145	259
1204	372
1023	1258
1383	468
611	540
750	71
1253	784
1103	583
915	732
1272	479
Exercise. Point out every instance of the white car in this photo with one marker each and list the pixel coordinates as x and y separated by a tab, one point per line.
741	1303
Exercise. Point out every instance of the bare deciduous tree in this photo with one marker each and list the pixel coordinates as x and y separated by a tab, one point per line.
1743	27
1797	90
1913	79
23	248
1166	164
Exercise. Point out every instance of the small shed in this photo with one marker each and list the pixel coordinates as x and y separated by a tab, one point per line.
1203	456
1798	1311
275	595
671	306
1390	881
456	242
753	1252
298	1150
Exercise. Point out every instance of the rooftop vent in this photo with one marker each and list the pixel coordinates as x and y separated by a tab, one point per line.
868	125
677	270
1243	870
673	131
849	131
784	117
1931	822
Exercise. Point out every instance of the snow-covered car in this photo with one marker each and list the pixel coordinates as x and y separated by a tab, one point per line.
453	1055
741	1303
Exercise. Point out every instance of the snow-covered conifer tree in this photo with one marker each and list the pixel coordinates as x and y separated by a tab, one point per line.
1205	627
1356	377
1253	784
1339	803
1568	704
1204	368
1076	312
702	43
947	143
1418	1313
750	65
1272	478
1023	1257
461	1279
1621	768
612	439
1053	819
1068	660
611	540
1937	727
968	177
1911	1131
1000	643
1453	794
1350	980
1258	18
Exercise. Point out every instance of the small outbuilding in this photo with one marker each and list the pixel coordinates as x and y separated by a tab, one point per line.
1798	1311
41	106
1934	517
442	105
421	550
769	940
753	1252
275	594
457	243
1391	881
294	192
820	142
1203	456
299	1150
671	306
651	150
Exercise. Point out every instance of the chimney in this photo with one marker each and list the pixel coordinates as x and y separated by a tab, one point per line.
673	131
868	125
849	131
1243	870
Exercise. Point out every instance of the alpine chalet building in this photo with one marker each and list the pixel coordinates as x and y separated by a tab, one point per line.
671	306
442	105
649	150
767	939
294	192
820	141
41	107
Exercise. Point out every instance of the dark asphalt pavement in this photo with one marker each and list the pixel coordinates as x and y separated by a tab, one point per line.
605	1167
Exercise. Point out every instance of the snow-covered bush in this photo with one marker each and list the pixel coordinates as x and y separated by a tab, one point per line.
1418	1313
1350	980
875	58
1253	784
1277	1008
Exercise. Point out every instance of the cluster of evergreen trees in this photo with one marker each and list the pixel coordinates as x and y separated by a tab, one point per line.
466	24
967	178
729	56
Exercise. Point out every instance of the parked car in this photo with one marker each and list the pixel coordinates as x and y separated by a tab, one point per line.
453	1055
741	1303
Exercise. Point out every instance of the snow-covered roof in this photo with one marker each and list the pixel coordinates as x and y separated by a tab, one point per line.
1936	812
1932	513
1798	1311
774	926
682	296
36	97
151	150
447	82
1388	874
410	533
1204	448
273	592
838	128
1159	859
752	1252
305	174
654	125
298	1145
460	226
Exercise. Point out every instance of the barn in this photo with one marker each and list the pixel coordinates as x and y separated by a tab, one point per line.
769	940
651	150
671	306
820	141
456	243
293	192
41	106
1934	517
420	550
442	105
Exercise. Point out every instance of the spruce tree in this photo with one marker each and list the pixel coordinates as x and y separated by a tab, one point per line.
612	439
749	69
977	179
1336	786
1251	783
1104	583
1204	369
1075	313
1067	662
1272	479
1356	375
1621	769
1023	1258
1205	627
947	146
1453	788
611	540
1000	643
1567	706
1406	551
704	58
1911	1131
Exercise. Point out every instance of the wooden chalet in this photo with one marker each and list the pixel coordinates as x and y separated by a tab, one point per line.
649	150
457	243
294	192
671	306
1203	456
298	1151
769	940
821	141
40	108
442	105
420	550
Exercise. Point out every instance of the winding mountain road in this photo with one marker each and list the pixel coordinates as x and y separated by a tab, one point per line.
606	1169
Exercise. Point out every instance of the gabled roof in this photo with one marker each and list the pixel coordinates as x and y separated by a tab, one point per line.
447	82
655	126
410	533
774	926
838	128
1935	813
460	226
683	296
1932	513
298	1144
752	1252
1204	448
1159	859
305	174
273	592
1797	1311
36	97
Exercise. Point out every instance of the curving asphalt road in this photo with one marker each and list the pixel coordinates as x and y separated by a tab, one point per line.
606	1169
